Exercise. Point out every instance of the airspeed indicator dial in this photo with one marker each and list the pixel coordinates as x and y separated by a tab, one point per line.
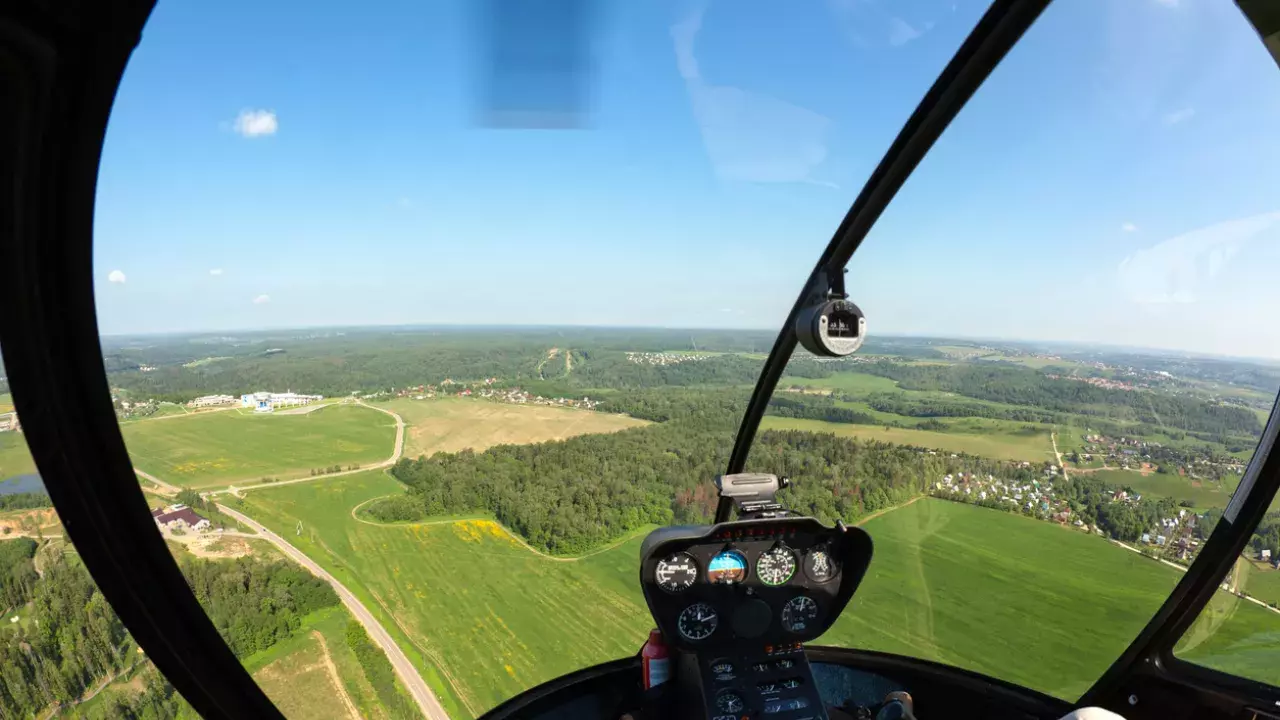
676	573
776	565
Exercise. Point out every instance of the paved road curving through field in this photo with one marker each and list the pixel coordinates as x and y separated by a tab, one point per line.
409	675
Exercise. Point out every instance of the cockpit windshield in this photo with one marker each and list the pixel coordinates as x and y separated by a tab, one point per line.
419	319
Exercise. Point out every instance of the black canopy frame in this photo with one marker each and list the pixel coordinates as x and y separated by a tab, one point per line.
60	67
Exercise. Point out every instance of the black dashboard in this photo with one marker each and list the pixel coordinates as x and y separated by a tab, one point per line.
740	599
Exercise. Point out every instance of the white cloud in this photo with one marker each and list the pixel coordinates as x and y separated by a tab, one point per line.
1178	116
1178	270
900	33
216	271
256	123
1129	227
262	299
116	276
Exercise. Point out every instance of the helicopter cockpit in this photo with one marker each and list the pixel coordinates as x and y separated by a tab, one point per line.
1047	490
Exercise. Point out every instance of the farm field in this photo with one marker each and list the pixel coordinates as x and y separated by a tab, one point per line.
15	458
1204	493
298	674
1260	580
212	449
466	591
454	424
849	382
1001	594
999	439
944	577
1235	636
6	403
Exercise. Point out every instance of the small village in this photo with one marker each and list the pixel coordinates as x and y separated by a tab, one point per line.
1134	454
485	389
663	358
1038	499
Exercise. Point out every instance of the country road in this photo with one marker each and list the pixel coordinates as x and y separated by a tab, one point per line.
1233	582
396	452
166	487
1053	438
409	675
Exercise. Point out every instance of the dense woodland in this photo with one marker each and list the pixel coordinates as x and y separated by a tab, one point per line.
1024	386
255	604
570	495
724	407
17	572
70	639
25	501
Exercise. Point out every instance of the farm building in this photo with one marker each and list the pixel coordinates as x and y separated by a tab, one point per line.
179	516
268	401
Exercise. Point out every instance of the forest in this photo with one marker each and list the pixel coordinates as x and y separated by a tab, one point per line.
1024	386
568	496
725	406
25	501
255	604
71	639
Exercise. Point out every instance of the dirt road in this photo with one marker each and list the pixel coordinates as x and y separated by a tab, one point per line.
165	487
409	675
1232	580
1053	438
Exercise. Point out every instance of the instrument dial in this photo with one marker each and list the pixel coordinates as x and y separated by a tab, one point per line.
776	565
819	566
798	613
697	621
729	702
676	573
727	568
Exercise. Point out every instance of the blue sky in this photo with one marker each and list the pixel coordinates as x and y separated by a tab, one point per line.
289	164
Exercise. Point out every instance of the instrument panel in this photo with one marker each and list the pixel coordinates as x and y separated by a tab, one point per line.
750	583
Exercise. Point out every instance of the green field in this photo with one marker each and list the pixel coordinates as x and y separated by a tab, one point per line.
849	382
1204	493
1000	439
15	458
1014	597
1235	636
1002	594
6	403
502	618
1260	580
220	448
454	424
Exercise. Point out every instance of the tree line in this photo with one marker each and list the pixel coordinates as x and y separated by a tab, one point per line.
569	496
25	501
1027	387
379	672
69	639
256	604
